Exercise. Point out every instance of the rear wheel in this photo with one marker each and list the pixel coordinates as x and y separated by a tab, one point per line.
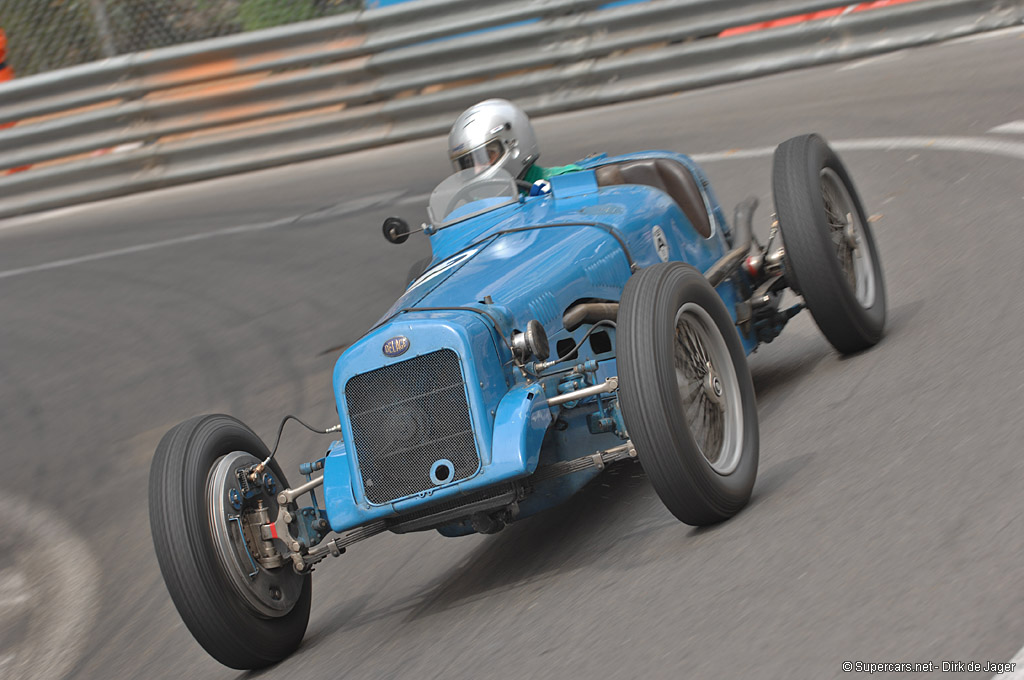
831	256
686	394
243	613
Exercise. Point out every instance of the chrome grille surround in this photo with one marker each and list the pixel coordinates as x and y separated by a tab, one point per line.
407	416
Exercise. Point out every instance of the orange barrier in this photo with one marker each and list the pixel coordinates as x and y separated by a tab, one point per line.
813	16
5	71
365	79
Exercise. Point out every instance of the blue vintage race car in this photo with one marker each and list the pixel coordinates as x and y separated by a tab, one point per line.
605	318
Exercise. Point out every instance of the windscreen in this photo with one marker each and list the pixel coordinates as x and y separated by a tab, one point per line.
468	193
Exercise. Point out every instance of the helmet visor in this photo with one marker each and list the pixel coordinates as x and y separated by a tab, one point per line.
481	157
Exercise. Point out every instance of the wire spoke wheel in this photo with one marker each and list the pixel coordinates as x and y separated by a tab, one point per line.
709	390
830	248
686	394
847	233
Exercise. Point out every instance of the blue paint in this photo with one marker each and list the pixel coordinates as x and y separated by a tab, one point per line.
309	532
519	426
492	406
528	259
309	468
378	4
611	5
441	471
573	184
565	444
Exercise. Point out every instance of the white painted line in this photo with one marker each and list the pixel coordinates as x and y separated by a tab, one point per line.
1015	127
344	208
869	61
1008	32
969	144
1018	669
141	248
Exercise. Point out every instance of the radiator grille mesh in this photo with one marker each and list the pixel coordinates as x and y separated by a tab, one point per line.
407	416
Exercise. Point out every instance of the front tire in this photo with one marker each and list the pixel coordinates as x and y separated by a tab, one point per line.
244	620
831	256
686	394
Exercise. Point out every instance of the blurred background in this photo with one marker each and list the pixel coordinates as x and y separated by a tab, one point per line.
110	97
193	225
46	35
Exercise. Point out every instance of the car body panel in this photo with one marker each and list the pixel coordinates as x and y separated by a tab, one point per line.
530	259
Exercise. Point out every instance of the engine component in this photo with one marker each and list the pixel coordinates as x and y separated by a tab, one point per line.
531	342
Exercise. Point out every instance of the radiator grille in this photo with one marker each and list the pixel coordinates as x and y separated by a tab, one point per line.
407	416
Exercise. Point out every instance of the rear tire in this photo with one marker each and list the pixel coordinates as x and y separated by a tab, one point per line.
686	394
831	256
205	581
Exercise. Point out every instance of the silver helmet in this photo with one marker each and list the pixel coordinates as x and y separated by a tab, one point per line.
493	134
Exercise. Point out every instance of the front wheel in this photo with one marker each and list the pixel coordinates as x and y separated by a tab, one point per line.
830	251
686	394
244	613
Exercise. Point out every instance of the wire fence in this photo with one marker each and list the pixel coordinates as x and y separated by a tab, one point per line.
43	35
287	94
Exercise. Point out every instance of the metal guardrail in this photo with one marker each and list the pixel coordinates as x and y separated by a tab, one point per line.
360	80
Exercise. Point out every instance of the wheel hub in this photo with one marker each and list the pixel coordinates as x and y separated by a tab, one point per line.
270	592
708	388
713	388
850	234
848	237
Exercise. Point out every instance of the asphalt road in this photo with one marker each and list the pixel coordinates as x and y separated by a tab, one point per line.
887	520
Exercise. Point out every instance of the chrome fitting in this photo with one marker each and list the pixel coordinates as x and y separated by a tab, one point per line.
609	385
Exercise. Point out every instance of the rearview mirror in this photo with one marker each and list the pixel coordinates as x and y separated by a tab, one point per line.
396	230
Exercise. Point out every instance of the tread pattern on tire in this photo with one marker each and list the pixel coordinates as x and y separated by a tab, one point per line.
226	628
685	482
816	273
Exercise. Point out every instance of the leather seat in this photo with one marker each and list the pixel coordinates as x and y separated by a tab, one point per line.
669	176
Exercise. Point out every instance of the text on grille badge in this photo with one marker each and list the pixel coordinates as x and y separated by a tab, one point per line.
396	346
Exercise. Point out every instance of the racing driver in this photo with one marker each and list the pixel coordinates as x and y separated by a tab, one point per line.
497	134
